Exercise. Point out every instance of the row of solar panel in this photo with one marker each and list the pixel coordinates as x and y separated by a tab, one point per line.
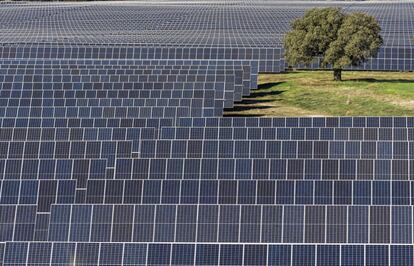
285	133
144	77
36	96
117	79
212	168
97	63
122	67
43	193
50	97
208	76
79	169
91	66
62	65
110	112
292	122
76	134
113	75
116	52
152	254
226	122
269	60
261	169
250	69
315	169
232	92
116	86
209	149
169	68
223	91
373	64
163	67
203	99
22	72
114	64
31	66
170	133
65	149
139	67
85	122
217	87
100	65
166	51
277	149
213	223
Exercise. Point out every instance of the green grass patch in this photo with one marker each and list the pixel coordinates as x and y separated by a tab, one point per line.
314	93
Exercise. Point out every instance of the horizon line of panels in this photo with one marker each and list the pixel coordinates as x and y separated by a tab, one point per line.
237	18
43	193
152	254
241	20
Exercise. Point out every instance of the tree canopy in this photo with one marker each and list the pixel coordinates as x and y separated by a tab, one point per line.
339	39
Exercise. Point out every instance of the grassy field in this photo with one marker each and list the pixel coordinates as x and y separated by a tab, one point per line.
314	93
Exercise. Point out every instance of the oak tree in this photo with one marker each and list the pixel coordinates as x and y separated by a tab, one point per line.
338	39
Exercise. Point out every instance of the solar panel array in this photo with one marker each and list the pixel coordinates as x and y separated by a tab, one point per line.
113	148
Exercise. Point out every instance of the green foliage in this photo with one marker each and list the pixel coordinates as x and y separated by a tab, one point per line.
340	39
312	35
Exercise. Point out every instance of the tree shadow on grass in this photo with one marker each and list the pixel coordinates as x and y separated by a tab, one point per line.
242	115
251	102
373	80
241	108
269	85
263	93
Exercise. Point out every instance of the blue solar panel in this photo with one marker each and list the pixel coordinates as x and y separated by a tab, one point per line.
113	148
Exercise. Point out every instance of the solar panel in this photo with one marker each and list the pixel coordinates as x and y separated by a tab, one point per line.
113	148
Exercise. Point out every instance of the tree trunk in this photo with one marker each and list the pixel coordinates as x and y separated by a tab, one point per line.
338	74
